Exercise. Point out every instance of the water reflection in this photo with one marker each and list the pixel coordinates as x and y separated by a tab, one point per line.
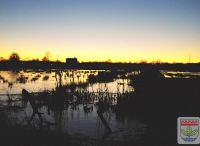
14	82
67	101
180	74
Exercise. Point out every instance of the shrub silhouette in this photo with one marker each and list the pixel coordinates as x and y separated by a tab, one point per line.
14	57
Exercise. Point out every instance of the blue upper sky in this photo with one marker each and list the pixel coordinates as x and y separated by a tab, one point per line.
122	30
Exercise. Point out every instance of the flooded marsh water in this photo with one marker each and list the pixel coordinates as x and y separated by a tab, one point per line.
97	104
73	101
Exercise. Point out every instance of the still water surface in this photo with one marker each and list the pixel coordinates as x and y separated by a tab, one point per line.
79	119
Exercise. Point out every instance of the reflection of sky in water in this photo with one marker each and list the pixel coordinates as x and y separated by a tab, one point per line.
13	86
76	121
71	121
179	74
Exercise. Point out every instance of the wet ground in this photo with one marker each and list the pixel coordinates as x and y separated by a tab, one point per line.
69	102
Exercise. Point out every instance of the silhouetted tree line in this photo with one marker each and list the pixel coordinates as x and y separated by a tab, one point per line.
98	66
14	62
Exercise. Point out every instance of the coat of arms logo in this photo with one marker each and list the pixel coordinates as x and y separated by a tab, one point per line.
188	130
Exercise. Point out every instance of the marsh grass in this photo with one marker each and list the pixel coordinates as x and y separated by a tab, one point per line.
105	76
22	79
154	99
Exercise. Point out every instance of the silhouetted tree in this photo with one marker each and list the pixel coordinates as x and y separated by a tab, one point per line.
108	61
14	57
35	59
156	62
143	62
46	57
2	59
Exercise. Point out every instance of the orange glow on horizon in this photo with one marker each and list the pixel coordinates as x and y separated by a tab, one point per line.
115	30
92	56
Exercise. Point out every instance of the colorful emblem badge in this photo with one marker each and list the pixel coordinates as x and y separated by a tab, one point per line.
188	130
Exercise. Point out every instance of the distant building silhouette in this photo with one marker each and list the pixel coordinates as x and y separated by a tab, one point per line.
71	61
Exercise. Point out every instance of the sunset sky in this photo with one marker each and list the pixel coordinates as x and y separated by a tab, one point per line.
98	30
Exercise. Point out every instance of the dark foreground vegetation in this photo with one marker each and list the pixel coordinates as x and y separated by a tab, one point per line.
156	100
161	101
